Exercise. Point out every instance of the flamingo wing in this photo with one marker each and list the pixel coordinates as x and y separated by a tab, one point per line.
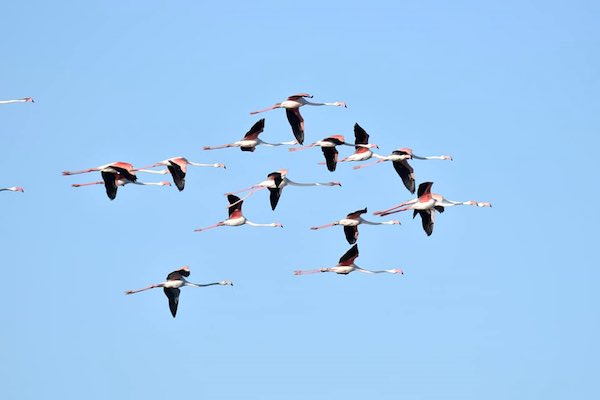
335	139
427	220
331	157
360	135
110	183
349	257
298	96
173	296
126	173
424	188
277	177
274	197
351	233
406	173
297	123
238	207
256	130
178	175
357	213
176	275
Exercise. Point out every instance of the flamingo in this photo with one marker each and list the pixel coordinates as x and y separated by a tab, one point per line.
236	218
112	180
13	189
275	182
346	265
178	167
351	222
292	109
175	280
363	147
426	204
250	140
329	151
399	159
23	100
121	167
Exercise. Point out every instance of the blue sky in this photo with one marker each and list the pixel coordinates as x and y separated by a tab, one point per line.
498	303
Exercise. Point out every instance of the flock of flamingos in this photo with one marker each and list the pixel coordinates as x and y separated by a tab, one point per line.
426	204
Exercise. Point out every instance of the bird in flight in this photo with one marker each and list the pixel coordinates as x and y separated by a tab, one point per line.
292	109
23	100
171	285
250	140
236	218
399	159
362	146
328	146
177	166
347	265
351	222
275	182
13	189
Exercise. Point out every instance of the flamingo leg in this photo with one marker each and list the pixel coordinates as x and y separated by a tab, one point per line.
87	184
368	164
219	147
310	271
381	212
301	147
265	109
218	224
314	228
246	196
79	172
146	288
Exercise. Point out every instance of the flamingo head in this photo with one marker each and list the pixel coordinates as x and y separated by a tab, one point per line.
484	204
397	271
372	145
340	104
17	189
278	225
447	158
226	283
219	165
336	183
28	99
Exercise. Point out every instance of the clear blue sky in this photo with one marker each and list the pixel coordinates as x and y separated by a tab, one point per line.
499	303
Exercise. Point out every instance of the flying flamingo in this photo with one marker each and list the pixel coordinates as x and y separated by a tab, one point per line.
178	167
175	280
329	151
250	140
113	180
292	109
399	159
351	222
361	144
275	182
124	168
236	218
13	189
23	100
346	265
426	204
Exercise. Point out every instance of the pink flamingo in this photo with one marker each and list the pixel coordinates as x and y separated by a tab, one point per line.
346	265
112	180
236	218
363	147
399	159
123	168
275	182
351	222
23	100
426	204
178	168
250	140
292	109
13	189
176	280
329	151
